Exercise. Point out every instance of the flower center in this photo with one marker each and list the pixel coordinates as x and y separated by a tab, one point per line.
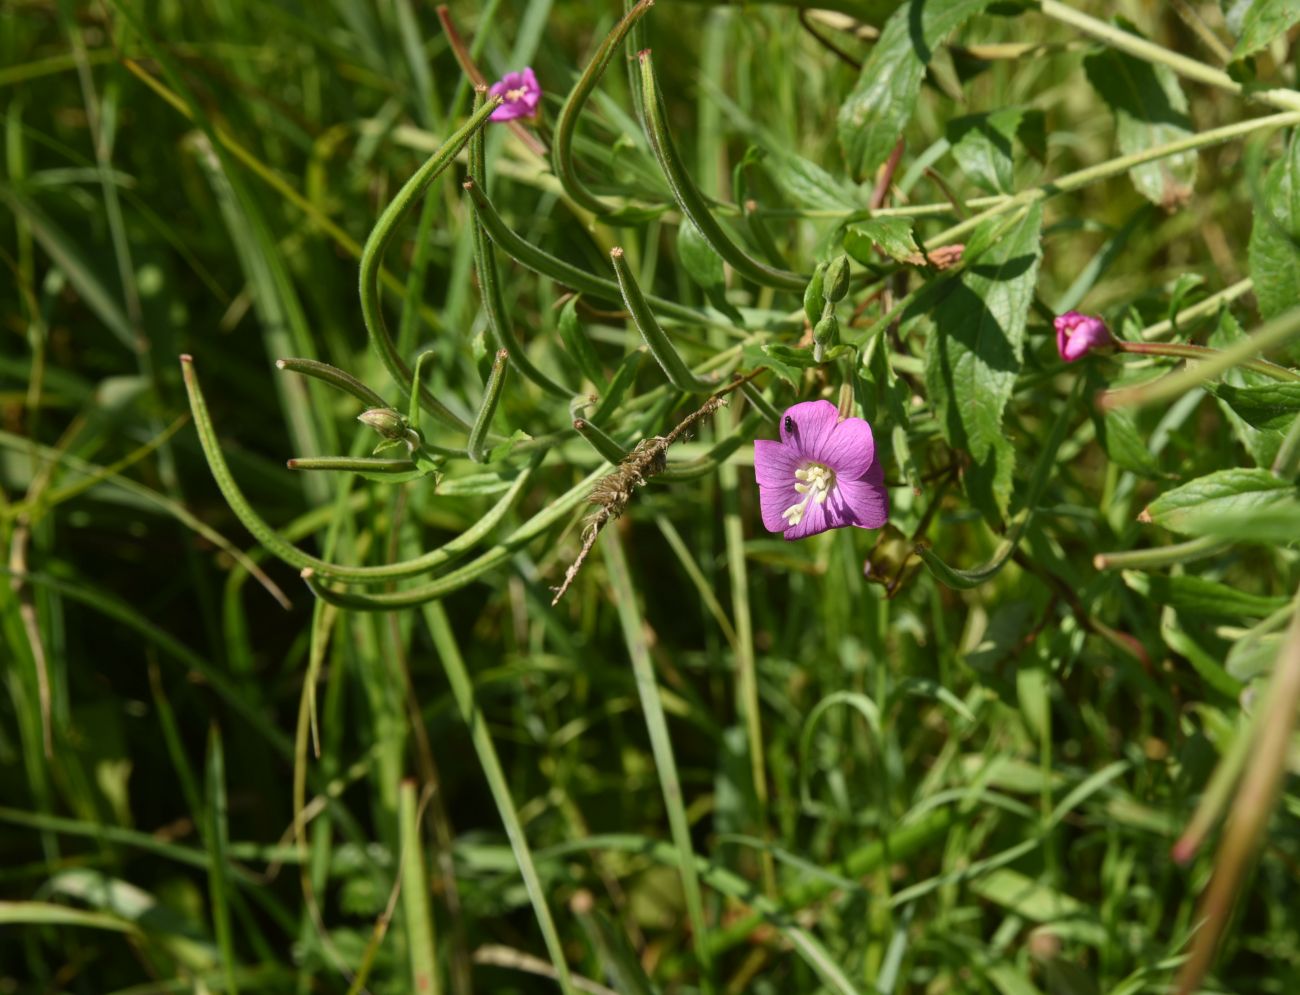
518	93
815	483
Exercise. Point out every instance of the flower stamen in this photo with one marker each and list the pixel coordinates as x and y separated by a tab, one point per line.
816	481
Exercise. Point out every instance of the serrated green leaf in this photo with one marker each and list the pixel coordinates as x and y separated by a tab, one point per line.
1196	596
881	104
698	258
1264	21
1244	504
1272	407
983	145
976	352
893	236
1275	237
1150	109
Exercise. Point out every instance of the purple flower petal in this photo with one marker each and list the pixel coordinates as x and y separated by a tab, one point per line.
1078	334
521	93
773	501
775	463
808	425
863	503
814	520
850	449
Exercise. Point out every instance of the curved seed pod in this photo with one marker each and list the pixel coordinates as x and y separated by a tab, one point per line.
674	367
491	395
566	123
688	196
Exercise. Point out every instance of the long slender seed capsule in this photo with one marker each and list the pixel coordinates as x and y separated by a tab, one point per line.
606	447
688	196
381	236
335	377
351	463
567	121
674	367
491	395
489	281
291	554
540	261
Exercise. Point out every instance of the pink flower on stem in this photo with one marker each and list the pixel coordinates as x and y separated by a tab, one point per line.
1078	334
822	474
521	95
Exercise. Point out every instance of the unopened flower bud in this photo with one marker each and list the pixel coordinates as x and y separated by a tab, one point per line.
836	281
813	301
827	331
1078	334
385	421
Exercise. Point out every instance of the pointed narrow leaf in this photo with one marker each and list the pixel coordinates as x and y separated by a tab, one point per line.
1265	20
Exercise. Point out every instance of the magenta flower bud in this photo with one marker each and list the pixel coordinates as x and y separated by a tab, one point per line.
822	474
1078	334
520	94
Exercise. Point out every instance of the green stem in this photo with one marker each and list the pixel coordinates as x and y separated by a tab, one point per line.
489	280
462	689
567	121
491	395
1272	335
1287	460
1147	51
381	236
1114	167
669	360
1210	305
1185	350
688	196
660	744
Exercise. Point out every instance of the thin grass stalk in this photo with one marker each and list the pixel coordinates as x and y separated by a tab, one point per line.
217	840
421	950
661	746
462	689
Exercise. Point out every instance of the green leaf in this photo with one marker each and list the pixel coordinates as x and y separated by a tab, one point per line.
1243	504
578	345
982	144
1273	406
1150	109
876	112
978	342
1118	434
503	449
893	236
1195	596
1264	21
1275	237
809	185
702	264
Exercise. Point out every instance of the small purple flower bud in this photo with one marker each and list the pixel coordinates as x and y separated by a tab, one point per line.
1078	334
520	93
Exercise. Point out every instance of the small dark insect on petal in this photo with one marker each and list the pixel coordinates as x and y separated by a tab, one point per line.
789	425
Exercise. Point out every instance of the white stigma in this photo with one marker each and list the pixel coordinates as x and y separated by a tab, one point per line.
815	483
516	94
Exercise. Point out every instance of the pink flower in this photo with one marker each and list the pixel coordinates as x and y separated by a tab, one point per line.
1078	334
822	474
521	95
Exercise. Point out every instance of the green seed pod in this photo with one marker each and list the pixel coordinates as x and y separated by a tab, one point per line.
837	279
813	301
827	331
